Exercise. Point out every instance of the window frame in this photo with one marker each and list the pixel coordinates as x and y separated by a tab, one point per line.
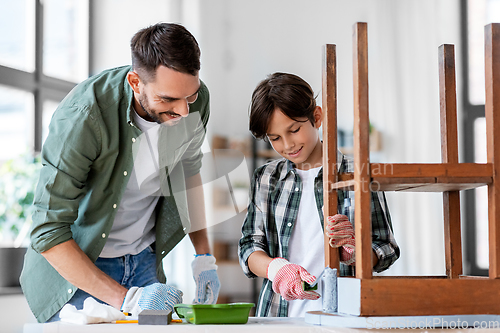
470	114
42	87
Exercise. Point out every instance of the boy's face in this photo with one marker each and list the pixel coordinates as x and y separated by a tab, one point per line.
297	141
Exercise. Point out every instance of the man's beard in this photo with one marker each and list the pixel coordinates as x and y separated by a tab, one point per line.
145	106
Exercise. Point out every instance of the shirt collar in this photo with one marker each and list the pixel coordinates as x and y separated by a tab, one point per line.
287	168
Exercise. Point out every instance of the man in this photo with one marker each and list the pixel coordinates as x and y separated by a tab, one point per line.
118	191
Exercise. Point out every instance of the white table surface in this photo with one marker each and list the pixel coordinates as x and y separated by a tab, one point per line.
254	325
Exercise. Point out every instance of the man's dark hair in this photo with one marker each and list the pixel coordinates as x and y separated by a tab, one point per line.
287	92
167	44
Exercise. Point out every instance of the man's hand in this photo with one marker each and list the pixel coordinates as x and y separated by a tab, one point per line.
341	234
206	278
156	296
74	265
287	280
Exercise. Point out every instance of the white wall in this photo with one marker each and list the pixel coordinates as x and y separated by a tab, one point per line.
243	41
114	24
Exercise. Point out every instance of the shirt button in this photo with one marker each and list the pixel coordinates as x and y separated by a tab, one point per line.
124	173
103	235
70	291
133	139
289	224
114	206
162	252
296	189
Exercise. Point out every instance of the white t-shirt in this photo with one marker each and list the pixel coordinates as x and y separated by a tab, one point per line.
306	247
133	227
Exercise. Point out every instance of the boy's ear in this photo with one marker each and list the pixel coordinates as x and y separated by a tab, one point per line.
318	116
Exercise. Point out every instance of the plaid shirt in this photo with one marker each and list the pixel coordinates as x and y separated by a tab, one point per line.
275	197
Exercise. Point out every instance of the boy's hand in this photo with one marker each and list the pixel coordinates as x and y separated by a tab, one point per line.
341	234
287	280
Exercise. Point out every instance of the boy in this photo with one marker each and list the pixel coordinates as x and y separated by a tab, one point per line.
282	235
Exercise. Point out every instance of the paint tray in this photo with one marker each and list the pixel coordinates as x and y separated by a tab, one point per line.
233	313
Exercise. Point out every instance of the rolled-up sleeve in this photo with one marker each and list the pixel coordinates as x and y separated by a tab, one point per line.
253	230
67	155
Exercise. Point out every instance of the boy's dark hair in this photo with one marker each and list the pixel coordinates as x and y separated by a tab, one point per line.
167	44
287	92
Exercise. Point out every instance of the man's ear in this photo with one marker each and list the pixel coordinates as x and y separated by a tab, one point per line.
318	116
134	81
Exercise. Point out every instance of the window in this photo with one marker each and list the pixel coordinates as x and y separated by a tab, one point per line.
479	14
32	81
65	42
481	198
475	15
16	121
49	106
17	47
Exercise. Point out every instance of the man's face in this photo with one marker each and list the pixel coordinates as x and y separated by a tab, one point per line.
166	98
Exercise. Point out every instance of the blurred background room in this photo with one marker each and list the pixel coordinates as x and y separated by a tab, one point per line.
47	46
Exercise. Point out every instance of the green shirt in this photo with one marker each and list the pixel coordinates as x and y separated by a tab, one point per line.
87	161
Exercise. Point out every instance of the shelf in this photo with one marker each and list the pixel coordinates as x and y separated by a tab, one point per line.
268	153
228	262
230	153
232	156
10	291
228	146
388	296
422	177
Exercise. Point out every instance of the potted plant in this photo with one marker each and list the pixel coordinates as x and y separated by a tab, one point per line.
18	179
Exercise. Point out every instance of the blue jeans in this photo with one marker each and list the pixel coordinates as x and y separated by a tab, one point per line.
130	271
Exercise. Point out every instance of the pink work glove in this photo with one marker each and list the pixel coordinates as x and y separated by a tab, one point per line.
287	280
341	234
